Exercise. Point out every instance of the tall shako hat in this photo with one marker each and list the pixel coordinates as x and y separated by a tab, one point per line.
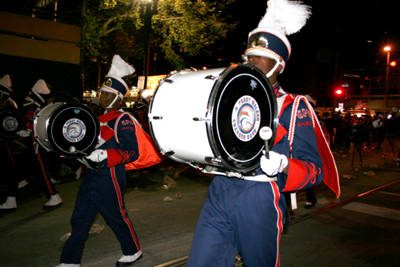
113	81
5	85
283	17
39	93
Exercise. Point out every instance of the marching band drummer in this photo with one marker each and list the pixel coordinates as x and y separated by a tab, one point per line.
248	216
32	152
121	142
5	92
9	165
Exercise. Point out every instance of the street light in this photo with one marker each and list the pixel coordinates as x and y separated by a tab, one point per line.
338	94
147	20
387	50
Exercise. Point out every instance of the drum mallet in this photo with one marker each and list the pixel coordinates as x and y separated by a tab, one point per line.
266	134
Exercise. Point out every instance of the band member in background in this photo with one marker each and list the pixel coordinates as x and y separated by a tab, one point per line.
94	105
121	141
8	165
5	92
30	154
245	215
141	108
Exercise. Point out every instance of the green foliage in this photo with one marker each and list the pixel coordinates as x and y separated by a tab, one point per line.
181	28
105	21
184	27
190	27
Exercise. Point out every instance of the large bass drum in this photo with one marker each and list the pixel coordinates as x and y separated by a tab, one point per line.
11	121
213	117
71	130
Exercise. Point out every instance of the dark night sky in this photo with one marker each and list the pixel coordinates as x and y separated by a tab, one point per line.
353	32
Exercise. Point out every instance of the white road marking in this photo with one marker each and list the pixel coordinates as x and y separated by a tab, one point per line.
373	210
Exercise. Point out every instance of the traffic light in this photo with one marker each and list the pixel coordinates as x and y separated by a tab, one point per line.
393	63
338	92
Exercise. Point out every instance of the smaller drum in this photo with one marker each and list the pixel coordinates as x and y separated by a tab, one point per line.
71	130
11	121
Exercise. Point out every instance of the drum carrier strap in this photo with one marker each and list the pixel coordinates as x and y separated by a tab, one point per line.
148	152
292	127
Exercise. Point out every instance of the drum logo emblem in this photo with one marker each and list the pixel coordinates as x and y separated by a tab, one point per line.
10	124
74	130
246	118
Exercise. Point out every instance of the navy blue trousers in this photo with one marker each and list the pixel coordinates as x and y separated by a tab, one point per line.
238	216
100	191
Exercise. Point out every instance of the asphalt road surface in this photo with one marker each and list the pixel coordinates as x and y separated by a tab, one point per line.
361	228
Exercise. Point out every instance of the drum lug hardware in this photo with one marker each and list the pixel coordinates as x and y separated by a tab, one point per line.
157	117
211	77
200	119
167	153
214	170
212	160
195	165
169	81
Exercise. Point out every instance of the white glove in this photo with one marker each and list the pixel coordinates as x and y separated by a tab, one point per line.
24	133
98	155
275	164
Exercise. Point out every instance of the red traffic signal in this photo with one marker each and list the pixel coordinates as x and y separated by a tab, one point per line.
338	92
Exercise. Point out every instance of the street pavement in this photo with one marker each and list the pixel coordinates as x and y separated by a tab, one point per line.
361	228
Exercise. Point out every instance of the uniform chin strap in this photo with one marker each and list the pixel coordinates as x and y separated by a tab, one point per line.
269	74
4	93
29	101
112	103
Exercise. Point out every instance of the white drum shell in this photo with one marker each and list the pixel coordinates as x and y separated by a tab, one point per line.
41	123
183	105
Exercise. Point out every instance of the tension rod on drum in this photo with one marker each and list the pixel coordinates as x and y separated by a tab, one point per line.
211	77
215	170
72	149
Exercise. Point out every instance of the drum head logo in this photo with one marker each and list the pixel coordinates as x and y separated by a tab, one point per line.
246	118
10	124
74	130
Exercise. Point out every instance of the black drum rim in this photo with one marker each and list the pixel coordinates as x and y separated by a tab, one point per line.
61	146
18	116
151	127
214	133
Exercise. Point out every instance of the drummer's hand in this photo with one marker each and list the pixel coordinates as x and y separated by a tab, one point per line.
98	155
275	164
24	133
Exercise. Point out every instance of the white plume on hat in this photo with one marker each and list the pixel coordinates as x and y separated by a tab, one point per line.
285	16
6	81
40	87
120	68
